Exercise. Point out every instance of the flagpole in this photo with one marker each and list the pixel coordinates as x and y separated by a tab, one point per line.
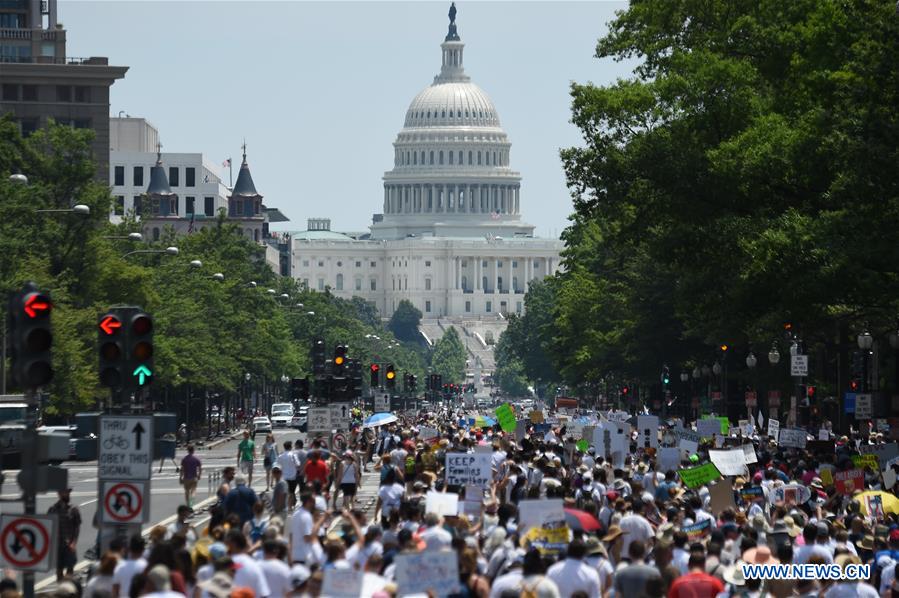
230	181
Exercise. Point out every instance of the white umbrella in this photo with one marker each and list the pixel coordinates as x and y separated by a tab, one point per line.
379	419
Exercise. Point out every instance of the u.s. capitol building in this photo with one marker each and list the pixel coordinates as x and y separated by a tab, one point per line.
450	238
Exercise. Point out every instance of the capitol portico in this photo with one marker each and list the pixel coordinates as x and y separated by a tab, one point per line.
450	238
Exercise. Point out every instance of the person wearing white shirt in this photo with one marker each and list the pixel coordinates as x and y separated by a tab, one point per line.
803	553
301	531
249	573
287	461
635	527
435	537
573	574
275	571
129	567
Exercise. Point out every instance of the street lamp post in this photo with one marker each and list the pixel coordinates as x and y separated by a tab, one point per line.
751	362
773	359
168	251
894	343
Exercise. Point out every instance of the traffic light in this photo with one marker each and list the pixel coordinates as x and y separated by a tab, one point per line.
296	389
390	377
625	392
413	383
810	392
375	371
405	382
318	357
339	361
854	385
139	352
32	339
111	348
355	367
666	376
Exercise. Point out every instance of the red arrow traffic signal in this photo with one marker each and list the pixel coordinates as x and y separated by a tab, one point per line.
110	324
36	305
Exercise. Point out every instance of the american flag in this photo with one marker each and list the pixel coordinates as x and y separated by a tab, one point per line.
494	215
226	163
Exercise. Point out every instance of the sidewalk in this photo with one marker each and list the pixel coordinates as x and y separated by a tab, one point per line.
226	438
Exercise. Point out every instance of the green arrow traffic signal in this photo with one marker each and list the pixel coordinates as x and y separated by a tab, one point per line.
142	372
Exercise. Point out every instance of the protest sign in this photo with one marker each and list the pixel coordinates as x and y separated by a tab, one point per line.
536	417
826	476
550	541
426	433
582	446
463	469
708	427
751	493
506	417
773	429
823	434
540	513
442	503
884	452
687	447
610	443
618	416
721	496
749	454
849	481
434	570
747	428
819	447
868	461
874	502
521	429
794	437
342	583
697	476
732	462
683	434
725	425
789	494
669	458
697	531
648	431
889	478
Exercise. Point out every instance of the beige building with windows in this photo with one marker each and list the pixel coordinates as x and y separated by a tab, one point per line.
450	238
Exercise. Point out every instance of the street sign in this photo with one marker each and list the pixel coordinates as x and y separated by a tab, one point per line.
382	403
125	502
864	406
799	365
319	419
341	415
716	395
125	447
28	542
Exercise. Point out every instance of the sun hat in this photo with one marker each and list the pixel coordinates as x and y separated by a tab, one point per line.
220	585
760	555
613	532
159	577
734	575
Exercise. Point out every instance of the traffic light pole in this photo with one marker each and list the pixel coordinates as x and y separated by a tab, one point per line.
29	496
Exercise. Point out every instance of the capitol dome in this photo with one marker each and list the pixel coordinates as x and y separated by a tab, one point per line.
451	171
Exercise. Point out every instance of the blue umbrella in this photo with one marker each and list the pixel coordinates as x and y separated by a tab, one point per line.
379	419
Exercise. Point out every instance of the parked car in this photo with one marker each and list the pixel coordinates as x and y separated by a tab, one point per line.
300	419
261	425
70	430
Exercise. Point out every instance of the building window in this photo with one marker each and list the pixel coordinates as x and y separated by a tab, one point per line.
432	156
339	264
499	264
119	205
305	283
155	233
373	264
460	157
406	284
321	264
190	176
464	283
428	306
467	306
63	93
514	283
339	283
427	263
489	307
209	207
321	284
29	93
499	283
484	264
518	307
189	204
82	94
173	206
137	205
119	176
358	264
479	158
469	157
138	176
427	284
358	284
374	284
10	92
306	263
441	157
451	158
514	264
173	176
238	207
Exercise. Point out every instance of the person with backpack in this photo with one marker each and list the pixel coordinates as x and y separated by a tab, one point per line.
255	527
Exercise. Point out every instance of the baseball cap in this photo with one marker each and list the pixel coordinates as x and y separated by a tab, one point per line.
220	585
298	575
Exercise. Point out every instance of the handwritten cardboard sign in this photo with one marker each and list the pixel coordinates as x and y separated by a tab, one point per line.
695	477
732	462
434	570
342	583
463	469
792	437
847	482
540	513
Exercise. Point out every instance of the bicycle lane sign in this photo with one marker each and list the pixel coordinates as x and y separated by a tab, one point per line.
28	542
125	447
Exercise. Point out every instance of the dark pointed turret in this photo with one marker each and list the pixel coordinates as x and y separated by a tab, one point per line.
164	202
244	201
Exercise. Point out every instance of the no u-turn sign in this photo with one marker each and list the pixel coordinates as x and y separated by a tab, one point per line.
125	502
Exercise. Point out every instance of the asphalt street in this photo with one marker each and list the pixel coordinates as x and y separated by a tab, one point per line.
166	493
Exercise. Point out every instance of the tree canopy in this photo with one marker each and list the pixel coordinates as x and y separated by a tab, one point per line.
405	320
448	357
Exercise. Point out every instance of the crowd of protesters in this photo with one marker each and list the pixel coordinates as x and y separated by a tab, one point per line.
632	529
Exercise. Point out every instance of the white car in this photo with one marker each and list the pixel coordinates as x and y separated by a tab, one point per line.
300	419
261	425
282	415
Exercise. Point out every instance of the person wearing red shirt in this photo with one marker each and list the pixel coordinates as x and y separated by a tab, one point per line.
696	583
316	470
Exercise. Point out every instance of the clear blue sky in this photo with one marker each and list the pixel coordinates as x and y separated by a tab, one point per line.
320	89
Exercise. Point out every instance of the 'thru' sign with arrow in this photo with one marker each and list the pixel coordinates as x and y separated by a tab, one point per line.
125	447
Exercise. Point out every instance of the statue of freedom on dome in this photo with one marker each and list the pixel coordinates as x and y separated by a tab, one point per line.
452	13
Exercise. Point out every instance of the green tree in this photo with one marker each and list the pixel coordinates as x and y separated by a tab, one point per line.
448	357
404	321
509	374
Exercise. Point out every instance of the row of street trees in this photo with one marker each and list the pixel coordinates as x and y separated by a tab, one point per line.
741	183
209	333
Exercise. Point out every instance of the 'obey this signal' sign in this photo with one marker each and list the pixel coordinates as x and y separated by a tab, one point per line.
125	502
28	542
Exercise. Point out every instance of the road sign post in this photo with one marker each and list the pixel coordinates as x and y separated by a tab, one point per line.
125	502
341	416
125	447
28	542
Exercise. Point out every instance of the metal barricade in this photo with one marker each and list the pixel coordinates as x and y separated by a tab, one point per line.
213	480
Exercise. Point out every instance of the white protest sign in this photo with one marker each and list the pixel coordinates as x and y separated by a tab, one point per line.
708	427
442	503
669	458
618	416
685	434
687	446
426	433
732	462
540	513
749	454
575	429
431	570
791	494
823	434
792	437
864	406
773	429
648	431
463	469
342	583
610	442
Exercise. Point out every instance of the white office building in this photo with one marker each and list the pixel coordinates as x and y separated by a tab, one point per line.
450	238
